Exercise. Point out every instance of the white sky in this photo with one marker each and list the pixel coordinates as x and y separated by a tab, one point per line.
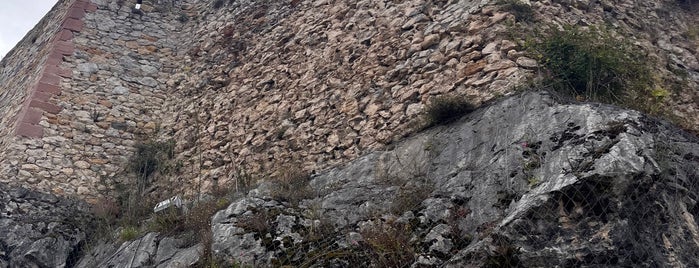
17	17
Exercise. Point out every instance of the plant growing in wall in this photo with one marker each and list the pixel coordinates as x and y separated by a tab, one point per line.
592	64
150	157
445	109
522	11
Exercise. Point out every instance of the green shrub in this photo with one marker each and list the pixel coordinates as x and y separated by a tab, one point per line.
129	233
592	65
150	157
444	109
522	11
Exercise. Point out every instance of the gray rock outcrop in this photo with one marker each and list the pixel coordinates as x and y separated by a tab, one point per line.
41	230
526	182
150	250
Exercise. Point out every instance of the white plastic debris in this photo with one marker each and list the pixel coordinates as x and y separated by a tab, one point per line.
172	201
138	6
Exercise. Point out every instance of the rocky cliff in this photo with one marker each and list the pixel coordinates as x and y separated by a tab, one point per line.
525	182
122	108
42	230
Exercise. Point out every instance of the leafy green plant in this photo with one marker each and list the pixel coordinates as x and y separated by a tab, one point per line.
129	233
444	109
592	65
522	11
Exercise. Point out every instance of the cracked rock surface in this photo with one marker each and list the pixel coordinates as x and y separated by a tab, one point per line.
40	230
526	181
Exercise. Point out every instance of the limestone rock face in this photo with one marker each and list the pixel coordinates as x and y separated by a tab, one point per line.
150	250
527	181
41	230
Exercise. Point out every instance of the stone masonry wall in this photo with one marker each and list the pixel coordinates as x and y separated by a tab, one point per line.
106	98
265	87
28	80
269	86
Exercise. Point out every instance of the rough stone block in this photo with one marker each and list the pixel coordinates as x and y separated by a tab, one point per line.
51	79
76	12
64	47
86	5
32	116
29	130
53	69
81	4
48	107
42	96
65	73
48	88
91	7
65	35
73	25
54	58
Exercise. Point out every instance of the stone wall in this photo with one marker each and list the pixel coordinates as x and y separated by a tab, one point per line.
265	87
276	85
98	96
28	80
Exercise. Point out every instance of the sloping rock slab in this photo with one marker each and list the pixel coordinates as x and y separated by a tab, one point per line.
526	181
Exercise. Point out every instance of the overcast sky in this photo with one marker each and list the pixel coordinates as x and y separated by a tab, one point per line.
17	17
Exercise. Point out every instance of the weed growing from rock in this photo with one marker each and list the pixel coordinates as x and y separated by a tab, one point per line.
445	109
504	255
128	233
291	185
150	157
410	196
389	244
592	65
522	11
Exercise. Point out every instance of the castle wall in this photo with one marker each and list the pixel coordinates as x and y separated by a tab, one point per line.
29	75
273	86
262	87
99	94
